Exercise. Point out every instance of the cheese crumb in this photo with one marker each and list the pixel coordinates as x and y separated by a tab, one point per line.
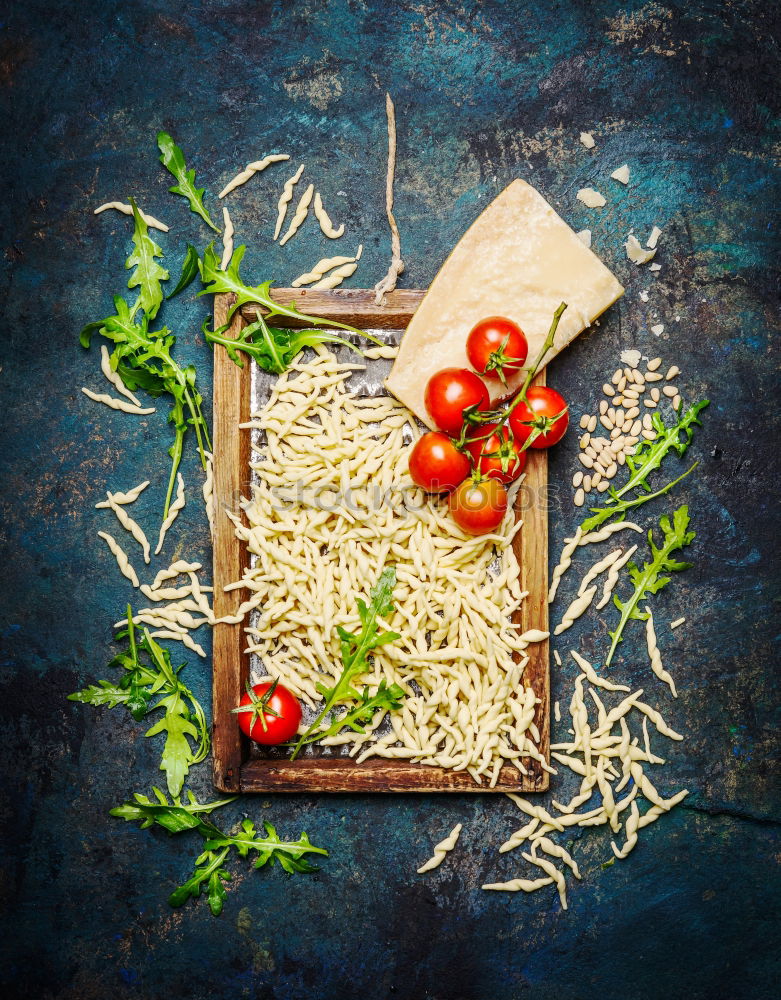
591	198
587	139
644	295
585	237
635	252
622	174
631	358
653	239
657	329
655	267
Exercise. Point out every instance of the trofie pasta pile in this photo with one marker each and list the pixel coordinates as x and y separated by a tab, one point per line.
332	505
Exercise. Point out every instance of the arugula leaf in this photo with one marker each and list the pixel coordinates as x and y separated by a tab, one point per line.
649	579
273	348
189	271
230	281
142	358
172	159
385	697
148	273
175	817
209	874
183	718
270	849
355	648
647	458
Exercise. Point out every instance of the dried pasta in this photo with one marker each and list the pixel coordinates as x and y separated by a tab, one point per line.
121	556
124	498
326	226
208	492
117	404
285	198
250	170
112	377
441	850
570	544
227	239
300	214
177	568
319	270
120	206
130	525
388	283
337	276
655	655
612	577
173	511
575	610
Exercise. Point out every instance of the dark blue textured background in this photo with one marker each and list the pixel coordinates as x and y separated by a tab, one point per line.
688	95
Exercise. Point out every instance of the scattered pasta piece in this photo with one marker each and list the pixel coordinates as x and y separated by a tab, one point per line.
337	276
326	226
612	576
564	563
250	170
227	239
319	270
575	610
388	283
655	655
120	206
130	525
208	492
121	556
597	568
285	198
173	511
550	869
177	568
117	404
609	529
678	622
300	214
593	677
441	850
124	498
519	885
182	637
114	379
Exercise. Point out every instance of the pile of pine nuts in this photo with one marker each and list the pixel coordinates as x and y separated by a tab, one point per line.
620	416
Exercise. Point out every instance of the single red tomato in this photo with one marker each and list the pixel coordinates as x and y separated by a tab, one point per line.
495	452
449	393
497	347
269	713
545	410
478	507
436	464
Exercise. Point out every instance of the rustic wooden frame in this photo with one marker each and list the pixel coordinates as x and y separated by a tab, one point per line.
235	770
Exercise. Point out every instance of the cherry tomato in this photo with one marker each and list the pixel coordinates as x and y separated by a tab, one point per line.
269	713
495	452
540	410
449	393
497	347
479	507
436	464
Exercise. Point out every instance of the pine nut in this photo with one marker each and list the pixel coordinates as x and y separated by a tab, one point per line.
596	479
672	372
631	414
649	403
654	377
606	422
611	470
647	421
649	435
587	483
621	457
622	383
626	427
587	461
604	461
603	407
616	432
631	394
584	421
617	445
670	390
616	376
603	485
638	377
676	402
655	395
631	441
592	424
585	440
577	479
611	413
653	364
608	389
580	498
636	427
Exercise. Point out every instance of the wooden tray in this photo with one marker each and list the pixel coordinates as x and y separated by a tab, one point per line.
238	765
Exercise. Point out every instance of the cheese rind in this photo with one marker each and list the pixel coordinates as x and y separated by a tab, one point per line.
519	259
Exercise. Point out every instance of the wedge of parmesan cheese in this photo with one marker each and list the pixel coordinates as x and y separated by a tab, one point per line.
519	259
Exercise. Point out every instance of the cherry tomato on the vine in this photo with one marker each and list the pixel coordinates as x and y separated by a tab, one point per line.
497	347
478	507
269	713
495	452
449	393
436	464
544	409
